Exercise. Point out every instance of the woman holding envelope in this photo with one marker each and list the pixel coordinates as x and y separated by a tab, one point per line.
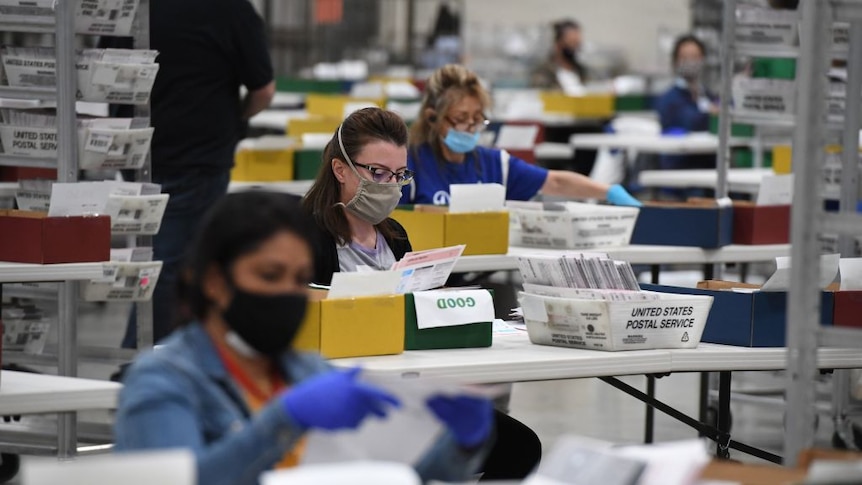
228	385
357	188
444	150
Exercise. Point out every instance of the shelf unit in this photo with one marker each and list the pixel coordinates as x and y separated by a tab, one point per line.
811	131
67	353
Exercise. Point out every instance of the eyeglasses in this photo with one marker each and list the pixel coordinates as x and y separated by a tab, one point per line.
382	175
475	125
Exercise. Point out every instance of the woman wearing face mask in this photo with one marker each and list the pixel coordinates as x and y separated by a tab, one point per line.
444	150
686	106
229	387
563	70
351	201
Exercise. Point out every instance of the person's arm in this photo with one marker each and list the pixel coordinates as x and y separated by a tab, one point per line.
257	100
574	185
252	63
157	412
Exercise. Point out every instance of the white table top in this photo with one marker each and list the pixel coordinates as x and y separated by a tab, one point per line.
668	144
26	393
552	151
635	254
738	179
512	358
23	273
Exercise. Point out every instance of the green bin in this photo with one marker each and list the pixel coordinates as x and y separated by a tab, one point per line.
306	164
467	336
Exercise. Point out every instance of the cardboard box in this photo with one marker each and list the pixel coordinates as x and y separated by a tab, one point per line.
337	106
355	327
432	227
298	127
307	163
33	237
472	335
697	222
747	474
847	310
757	319
754	224
672	322
573	226
590	106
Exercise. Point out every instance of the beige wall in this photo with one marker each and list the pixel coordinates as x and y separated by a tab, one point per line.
630	25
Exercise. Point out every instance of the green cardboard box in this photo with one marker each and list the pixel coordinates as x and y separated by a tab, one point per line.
306	164
472	335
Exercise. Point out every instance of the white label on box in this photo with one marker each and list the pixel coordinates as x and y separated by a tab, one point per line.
449	308
99	142
476	198
673	321
775	190
136	214
766	27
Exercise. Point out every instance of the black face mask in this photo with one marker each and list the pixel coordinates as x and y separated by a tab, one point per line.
571	55
268	323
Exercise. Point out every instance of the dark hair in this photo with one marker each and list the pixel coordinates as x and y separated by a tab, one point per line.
685	39
561	26
357	130
236	225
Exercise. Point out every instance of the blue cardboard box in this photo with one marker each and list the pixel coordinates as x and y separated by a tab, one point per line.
757	319
698	222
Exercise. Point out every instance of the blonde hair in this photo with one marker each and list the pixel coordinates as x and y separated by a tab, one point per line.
446	86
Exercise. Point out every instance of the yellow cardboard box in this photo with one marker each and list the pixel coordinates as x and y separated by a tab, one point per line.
263	165
353	327
334	106
593	105
300	126
432	227
782	157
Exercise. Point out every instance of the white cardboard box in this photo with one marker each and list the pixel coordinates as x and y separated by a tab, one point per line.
670	322
576	226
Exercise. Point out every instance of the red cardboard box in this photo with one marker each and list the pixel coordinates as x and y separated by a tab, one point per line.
33	237
14	174
754	224
848	309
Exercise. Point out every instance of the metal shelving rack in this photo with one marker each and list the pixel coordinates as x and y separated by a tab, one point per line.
68	352
809	220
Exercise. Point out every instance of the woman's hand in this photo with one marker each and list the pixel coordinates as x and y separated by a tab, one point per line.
335	400
618	195
469	418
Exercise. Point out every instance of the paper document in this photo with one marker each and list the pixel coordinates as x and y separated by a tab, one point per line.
476	198
517	137
780	280
776	190
851	273
376	472
365	283
426	270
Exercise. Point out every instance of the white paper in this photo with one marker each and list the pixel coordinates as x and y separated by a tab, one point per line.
376	472
851	273
476	198
450	308
175	467
426	270
517	137
373	283
780	280
136	214
776	190
675	463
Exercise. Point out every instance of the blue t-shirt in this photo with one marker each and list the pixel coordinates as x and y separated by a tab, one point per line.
483	165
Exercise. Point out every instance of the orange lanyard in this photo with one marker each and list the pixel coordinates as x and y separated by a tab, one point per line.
244	381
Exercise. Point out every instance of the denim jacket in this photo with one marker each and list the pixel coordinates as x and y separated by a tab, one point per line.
181	396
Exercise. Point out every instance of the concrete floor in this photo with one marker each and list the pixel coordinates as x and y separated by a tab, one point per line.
586	407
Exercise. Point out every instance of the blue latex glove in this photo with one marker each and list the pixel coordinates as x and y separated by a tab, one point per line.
469	418
335	400
617	195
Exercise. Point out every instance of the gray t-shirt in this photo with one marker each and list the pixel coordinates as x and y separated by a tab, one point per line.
352	255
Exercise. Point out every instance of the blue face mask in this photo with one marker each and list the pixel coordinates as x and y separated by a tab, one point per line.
461	141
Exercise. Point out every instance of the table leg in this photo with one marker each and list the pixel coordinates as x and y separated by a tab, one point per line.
67	435
704	400
708	271
743	272
723	420
655	269
650	412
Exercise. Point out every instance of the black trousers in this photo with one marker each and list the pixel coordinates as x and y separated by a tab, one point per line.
516	451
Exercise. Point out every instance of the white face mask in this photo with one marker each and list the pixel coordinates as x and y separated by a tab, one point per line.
373	201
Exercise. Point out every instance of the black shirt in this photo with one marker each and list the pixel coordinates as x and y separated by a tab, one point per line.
207	49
